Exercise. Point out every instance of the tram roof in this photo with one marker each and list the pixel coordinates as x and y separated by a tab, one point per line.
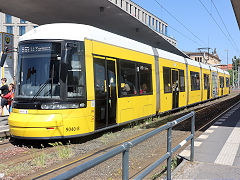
79	32
99	13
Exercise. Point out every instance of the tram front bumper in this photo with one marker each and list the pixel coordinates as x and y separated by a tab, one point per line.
35	125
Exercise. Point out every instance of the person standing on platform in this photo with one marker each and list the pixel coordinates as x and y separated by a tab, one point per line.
4	91
9	97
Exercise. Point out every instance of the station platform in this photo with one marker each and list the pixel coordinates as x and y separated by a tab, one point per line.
4	128
216	151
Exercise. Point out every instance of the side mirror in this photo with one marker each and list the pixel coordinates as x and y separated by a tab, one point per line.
4	57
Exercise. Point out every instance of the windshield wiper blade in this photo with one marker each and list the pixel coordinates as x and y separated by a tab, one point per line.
41	89
44	85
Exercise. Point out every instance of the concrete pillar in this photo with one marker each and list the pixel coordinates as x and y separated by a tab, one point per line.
124	5
139	14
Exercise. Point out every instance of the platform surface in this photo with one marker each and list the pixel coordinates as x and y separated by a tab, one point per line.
216	151
4	128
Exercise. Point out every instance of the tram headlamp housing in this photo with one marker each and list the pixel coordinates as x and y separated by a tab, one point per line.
61	106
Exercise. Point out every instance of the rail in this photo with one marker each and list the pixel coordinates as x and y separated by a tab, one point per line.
125	147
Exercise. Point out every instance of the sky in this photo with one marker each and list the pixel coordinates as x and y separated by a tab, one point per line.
195	26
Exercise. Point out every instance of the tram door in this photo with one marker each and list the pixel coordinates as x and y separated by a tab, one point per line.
208	92
105	92
175	89
214	85
206	80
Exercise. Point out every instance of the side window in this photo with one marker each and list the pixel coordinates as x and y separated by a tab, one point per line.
181	80
221	81
167	80
195	81
206	81
145	78
128	78
76	75
227	82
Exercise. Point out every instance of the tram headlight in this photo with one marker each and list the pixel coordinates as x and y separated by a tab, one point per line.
60	106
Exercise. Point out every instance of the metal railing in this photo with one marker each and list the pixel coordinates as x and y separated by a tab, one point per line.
125	147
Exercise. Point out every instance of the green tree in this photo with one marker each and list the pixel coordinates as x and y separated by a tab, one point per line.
235	65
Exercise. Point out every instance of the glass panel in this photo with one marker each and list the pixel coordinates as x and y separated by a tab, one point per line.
22	30
100	93
127	78
227	82
76	75
156	25
8	19
195	81
175	80
206	81
99	77
112	96
111	78
9	29
38	70
214	83
22	21
221	81
182	80
145	78
167	80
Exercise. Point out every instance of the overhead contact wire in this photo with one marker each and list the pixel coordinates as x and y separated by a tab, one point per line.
216	22
225	25
179	22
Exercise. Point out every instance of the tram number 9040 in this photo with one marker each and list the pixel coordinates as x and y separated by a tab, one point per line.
70	129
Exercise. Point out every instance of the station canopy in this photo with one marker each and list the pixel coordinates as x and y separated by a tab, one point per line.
236	9
99	13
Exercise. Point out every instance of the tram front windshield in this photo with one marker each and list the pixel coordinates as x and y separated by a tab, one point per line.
38	70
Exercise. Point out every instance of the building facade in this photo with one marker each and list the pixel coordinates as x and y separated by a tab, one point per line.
153	22
225	67
17	27
205	57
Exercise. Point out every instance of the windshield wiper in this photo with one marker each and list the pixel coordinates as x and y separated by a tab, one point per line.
41	89
44	85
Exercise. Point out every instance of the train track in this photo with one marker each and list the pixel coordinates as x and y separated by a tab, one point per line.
201	122
199	127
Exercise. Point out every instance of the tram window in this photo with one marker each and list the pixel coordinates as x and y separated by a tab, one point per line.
227	82
76	75
195	81
167	80
181	81
206	81
145	78
221	81
128	78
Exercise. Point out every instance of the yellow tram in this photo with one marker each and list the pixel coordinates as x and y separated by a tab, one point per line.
75	79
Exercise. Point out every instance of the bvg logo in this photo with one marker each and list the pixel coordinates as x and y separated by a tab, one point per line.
7	40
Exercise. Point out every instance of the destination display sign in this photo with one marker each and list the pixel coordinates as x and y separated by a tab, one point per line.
35	48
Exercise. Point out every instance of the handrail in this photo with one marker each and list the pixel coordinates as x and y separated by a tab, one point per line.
125	147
